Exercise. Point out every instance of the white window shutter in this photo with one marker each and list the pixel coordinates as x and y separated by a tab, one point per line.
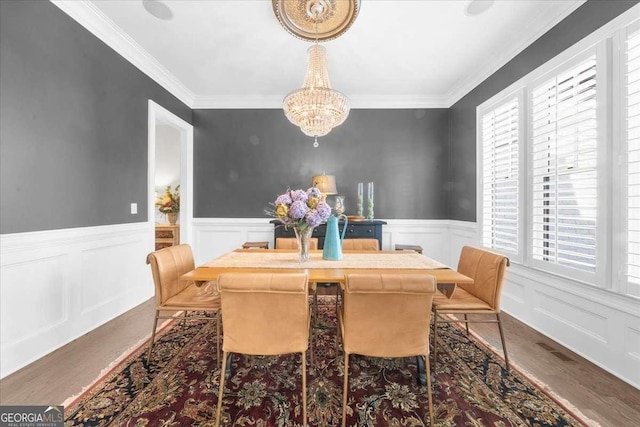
632	95
500	181
563	168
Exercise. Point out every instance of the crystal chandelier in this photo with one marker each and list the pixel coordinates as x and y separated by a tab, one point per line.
316	108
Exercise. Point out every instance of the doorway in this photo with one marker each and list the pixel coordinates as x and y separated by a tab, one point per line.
170	145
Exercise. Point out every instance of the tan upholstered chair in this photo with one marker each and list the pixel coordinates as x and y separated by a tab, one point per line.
265	314
172	294
291	243
482	297
386	315
351	245
360	245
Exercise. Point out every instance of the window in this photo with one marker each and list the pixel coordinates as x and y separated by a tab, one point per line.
500	133
564	146
631	71
559	163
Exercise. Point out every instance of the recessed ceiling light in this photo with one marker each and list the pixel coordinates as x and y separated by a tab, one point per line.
476	7
158	9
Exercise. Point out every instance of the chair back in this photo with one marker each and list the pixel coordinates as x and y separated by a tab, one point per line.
360	245
291	243
167	265
387	314
487	271
264	313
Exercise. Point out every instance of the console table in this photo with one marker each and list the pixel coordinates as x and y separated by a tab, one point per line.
355	230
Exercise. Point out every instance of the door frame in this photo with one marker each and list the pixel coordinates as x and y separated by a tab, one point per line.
160	115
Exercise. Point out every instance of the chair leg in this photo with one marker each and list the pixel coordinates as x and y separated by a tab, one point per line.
304	389
504	346
184	320
311	343
153	335
315	306
222	375
435	337
429	394
218	319
466	323
345	386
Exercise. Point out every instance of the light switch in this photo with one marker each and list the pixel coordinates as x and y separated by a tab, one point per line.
134	208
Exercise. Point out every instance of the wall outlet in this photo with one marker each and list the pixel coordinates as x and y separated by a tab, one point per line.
134	208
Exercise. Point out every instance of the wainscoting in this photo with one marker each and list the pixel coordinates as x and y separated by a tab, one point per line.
58	285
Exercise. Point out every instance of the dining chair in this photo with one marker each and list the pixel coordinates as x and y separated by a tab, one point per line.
351	245
487	270
360	245
386	315
265	314
291	243
174	295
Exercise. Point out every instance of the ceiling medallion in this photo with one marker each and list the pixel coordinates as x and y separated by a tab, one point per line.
316	20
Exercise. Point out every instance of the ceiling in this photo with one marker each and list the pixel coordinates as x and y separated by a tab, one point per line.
397	54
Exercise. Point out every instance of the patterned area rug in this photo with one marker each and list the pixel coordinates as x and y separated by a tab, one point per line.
180	387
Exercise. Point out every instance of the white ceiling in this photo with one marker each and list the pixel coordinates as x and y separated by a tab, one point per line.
398	53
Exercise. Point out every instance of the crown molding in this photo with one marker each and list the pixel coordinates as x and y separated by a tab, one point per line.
356	102
97	23
467	85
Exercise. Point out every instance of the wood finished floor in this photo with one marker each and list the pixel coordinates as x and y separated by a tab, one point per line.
63	373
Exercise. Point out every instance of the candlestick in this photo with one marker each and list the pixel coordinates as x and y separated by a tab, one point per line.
370	192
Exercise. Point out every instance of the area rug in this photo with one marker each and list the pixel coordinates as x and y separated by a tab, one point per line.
179	387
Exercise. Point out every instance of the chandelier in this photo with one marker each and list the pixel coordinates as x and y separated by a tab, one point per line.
316	108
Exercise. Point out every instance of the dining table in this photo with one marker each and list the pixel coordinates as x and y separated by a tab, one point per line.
319	270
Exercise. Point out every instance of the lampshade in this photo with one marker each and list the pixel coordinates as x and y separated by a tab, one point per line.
325	183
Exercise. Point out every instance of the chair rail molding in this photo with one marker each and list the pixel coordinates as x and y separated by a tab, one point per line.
60	284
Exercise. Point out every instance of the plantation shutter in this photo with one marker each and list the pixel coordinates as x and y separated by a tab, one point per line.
632	77
500	142
563	160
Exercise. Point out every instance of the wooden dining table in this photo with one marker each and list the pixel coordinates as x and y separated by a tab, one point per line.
321	271
325	271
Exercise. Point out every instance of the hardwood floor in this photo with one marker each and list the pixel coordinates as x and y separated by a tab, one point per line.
596	393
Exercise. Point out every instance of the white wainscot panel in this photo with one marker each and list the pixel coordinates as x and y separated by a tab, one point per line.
431	235
105	276
216	236
59	284
632	341
572	315
33	298
515	291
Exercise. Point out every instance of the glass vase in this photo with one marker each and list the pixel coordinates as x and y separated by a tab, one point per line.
303	238
370	195
360	199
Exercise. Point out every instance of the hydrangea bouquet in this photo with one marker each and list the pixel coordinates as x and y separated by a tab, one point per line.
304	211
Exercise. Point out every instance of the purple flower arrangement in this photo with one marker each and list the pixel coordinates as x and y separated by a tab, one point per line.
301	209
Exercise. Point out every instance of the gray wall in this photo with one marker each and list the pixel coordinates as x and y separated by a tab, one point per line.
73	135
462	173
73	124
245	158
